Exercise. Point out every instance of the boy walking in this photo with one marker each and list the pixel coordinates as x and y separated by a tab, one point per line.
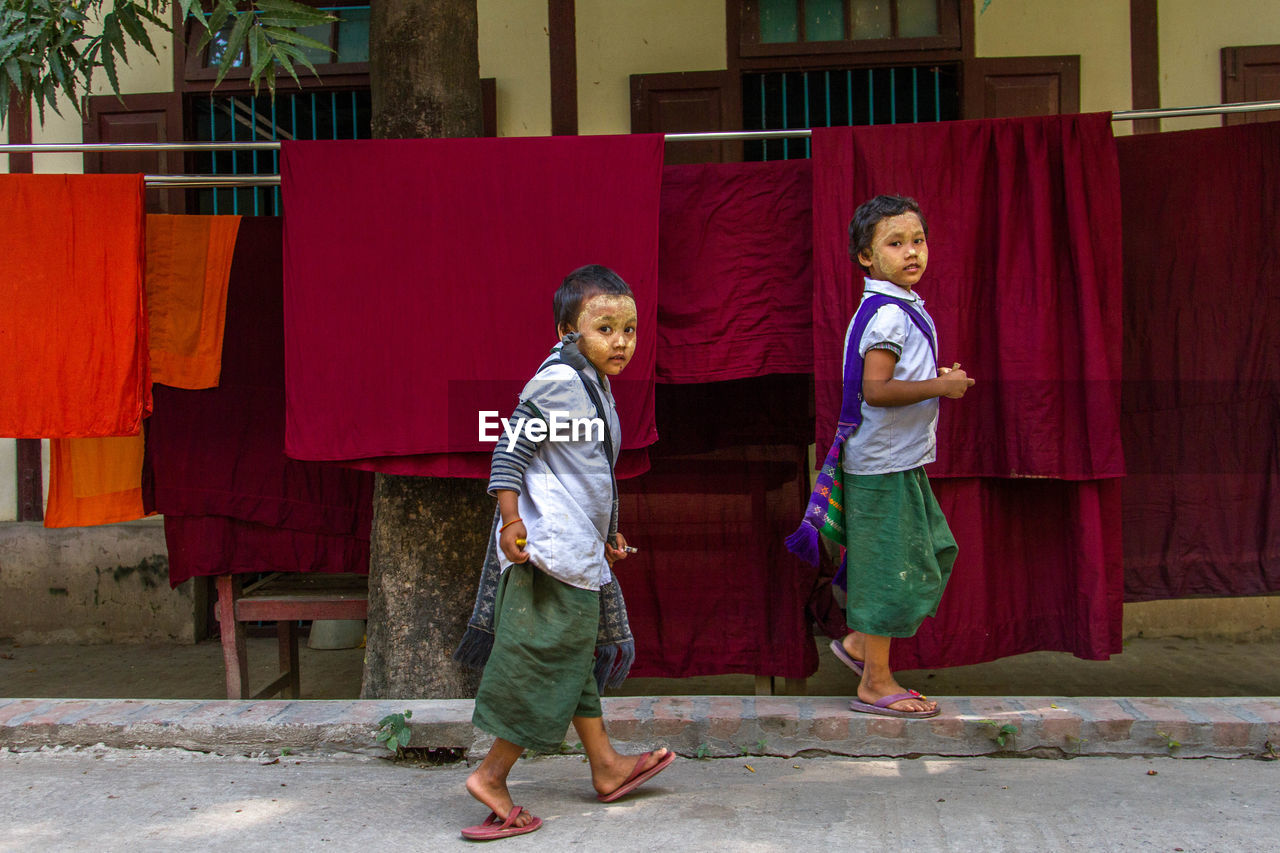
557	540
873	496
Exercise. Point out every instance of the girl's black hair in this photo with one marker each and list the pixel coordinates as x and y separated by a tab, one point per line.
579	285
862	228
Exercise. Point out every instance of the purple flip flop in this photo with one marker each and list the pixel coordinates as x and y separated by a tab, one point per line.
881	707
837	648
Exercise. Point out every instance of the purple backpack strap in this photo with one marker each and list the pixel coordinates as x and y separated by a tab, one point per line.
851	405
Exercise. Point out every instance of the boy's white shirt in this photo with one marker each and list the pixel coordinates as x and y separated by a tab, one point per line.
567	501
895	438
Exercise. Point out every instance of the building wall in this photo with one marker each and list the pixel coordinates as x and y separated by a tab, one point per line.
1192	35
1097	30
514	50
618	39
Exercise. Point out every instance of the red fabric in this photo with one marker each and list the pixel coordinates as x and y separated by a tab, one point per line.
712	589
1039	570
1027	297
419	276
204	545
218	453
735	271
1202	380
73	324
1024	293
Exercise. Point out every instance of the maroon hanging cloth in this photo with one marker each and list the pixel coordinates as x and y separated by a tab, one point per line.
713	590
1202	381
735	266
1027	298
418	283
215	463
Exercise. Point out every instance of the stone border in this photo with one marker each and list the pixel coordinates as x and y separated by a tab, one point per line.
694	726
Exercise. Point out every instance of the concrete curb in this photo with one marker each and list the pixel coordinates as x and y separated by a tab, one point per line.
694	726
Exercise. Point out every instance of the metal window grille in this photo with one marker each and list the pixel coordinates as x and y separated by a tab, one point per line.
781	100
244	118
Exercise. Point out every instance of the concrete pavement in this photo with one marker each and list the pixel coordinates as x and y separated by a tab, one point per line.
103	799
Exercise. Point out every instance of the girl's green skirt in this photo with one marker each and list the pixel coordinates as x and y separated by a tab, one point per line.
539	674
900	552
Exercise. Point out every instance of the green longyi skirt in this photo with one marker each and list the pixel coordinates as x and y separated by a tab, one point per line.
900	552
539	674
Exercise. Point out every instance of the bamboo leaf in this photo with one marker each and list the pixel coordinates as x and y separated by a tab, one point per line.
297	54
235	44
282	34
187	7
283	52
289	14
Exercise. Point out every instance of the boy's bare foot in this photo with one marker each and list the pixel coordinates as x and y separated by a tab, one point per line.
494	794
608	776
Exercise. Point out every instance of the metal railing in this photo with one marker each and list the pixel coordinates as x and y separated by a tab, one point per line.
197	181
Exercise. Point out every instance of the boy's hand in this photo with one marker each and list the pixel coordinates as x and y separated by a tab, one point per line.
507	541
954	381
613	554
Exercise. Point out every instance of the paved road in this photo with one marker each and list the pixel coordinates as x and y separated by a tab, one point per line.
100	799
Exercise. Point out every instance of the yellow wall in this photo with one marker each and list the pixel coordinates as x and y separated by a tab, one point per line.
1192	35
514	50
1096	30
618	38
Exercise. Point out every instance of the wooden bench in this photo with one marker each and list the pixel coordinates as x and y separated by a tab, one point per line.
284	598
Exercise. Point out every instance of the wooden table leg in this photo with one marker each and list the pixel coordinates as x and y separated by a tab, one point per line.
287	632
234	656
764	685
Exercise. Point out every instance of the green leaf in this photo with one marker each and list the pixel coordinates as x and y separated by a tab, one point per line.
109	65
289	14
403	736
235	44
192	9
135	28
113	36
286	35
282	49
260	55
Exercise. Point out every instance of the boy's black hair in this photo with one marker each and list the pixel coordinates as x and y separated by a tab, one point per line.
862	228
579	285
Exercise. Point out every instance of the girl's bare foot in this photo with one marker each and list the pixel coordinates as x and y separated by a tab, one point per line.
494	794
871	692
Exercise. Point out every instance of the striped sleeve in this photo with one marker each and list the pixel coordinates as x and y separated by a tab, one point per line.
506	470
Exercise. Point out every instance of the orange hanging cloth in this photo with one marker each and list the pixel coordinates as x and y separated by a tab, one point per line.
73	328
94	481
98	480
188	266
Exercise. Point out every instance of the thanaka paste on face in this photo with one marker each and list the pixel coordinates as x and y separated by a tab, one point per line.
608	352
888	263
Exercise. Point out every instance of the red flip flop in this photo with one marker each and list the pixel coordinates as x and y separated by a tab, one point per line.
637	777
494	827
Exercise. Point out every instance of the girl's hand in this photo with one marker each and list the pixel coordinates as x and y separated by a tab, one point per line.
613	554
955	381
511	548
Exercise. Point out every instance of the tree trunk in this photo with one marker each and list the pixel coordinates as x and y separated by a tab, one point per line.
429	534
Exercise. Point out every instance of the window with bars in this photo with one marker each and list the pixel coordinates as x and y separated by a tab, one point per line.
329	114
781	100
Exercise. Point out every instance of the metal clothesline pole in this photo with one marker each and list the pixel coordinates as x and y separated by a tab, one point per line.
202	181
